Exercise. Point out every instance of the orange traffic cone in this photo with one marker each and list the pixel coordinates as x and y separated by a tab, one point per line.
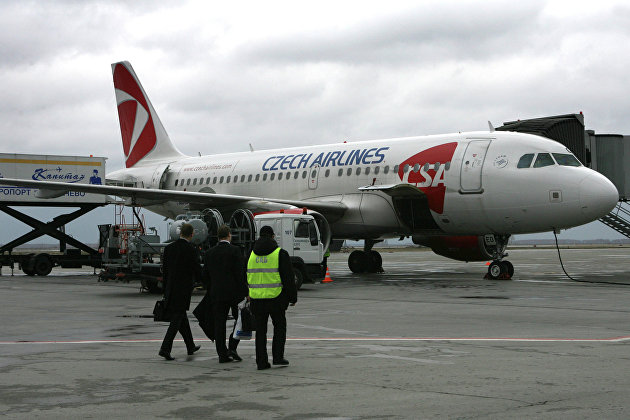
327	279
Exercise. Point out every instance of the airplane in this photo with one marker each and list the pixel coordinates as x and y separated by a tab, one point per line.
462	194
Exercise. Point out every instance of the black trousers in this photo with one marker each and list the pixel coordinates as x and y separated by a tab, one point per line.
262	310
220	312
179	323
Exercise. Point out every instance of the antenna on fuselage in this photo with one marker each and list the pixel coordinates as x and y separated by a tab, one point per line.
491	127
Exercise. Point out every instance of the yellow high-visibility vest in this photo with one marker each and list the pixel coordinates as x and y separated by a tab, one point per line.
263	275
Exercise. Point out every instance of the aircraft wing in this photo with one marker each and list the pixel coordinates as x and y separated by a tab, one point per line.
149	196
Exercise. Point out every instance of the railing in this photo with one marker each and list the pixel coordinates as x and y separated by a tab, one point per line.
618	219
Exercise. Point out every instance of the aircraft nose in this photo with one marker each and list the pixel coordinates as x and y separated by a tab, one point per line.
598	196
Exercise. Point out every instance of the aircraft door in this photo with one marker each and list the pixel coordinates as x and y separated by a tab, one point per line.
159	177
313	176
472	165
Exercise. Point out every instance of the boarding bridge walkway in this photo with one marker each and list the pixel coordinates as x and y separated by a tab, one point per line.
618	219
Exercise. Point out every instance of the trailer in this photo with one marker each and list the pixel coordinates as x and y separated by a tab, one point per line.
71	169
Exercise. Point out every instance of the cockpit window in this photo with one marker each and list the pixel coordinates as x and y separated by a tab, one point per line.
525	161
543	159
565	159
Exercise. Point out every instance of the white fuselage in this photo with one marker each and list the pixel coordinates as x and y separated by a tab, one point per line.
471	181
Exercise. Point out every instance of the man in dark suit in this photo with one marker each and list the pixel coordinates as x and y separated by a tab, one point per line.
224	277
180	265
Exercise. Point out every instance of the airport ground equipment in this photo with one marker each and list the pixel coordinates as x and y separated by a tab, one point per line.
71	169
129	253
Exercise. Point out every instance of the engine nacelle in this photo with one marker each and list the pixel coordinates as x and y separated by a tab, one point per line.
199	235
462	248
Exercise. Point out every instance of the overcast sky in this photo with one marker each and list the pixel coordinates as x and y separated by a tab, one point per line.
289	73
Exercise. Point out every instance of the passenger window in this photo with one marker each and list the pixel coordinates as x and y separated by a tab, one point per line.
358	171
243	178
272	176
279	176
221	180
525	161
214	180
396	169
228	179
176	182
296	174
304	175
565	159
208	180
327	173
367	170
543	159
340	172
288	176
249	178
235	178
447	166
200	181
376	170
188	181
257	177
264	177
386	170
406	168
416	167
349	172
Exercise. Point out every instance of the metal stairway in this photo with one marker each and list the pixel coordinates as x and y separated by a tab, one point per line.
618	219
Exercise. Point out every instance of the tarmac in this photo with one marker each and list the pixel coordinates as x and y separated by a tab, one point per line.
429	338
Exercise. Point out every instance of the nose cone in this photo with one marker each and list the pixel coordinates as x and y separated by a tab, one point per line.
598	196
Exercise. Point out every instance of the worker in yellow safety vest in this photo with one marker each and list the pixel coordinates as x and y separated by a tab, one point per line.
272	288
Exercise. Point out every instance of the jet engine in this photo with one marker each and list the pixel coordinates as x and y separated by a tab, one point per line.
200	234
462	248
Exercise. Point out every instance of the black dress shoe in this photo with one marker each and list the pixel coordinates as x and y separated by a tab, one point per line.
265	366
283	362
225	359
166	355
194	349
234	355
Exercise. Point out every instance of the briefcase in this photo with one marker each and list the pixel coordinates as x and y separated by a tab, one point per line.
159	311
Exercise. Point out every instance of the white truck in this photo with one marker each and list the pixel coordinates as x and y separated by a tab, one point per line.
299	235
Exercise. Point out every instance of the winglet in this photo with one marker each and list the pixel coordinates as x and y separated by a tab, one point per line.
491	127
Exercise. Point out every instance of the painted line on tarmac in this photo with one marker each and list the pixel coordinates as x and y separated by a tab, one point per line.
355	339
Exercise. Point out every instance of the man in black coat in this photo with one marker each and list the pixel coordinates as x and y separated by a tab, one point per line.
275	307
180	266
224	277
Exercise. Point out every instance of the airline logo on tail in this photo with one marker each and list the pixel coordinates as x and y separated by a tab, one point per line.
426	171
136	122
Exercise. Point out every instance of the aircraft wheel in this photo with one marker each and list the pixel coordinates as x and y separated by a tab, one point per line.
495	269
509	268
377	262
359	262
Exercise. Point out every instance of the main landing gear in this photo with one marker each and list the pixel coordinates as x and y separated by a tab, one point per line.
366	261
500	269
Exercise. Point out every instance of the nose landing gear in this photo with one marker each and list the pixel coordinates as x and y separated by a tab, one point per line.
500	269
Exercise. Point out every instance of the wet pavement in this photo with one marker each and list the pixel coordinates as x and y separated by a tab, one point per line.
429	338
